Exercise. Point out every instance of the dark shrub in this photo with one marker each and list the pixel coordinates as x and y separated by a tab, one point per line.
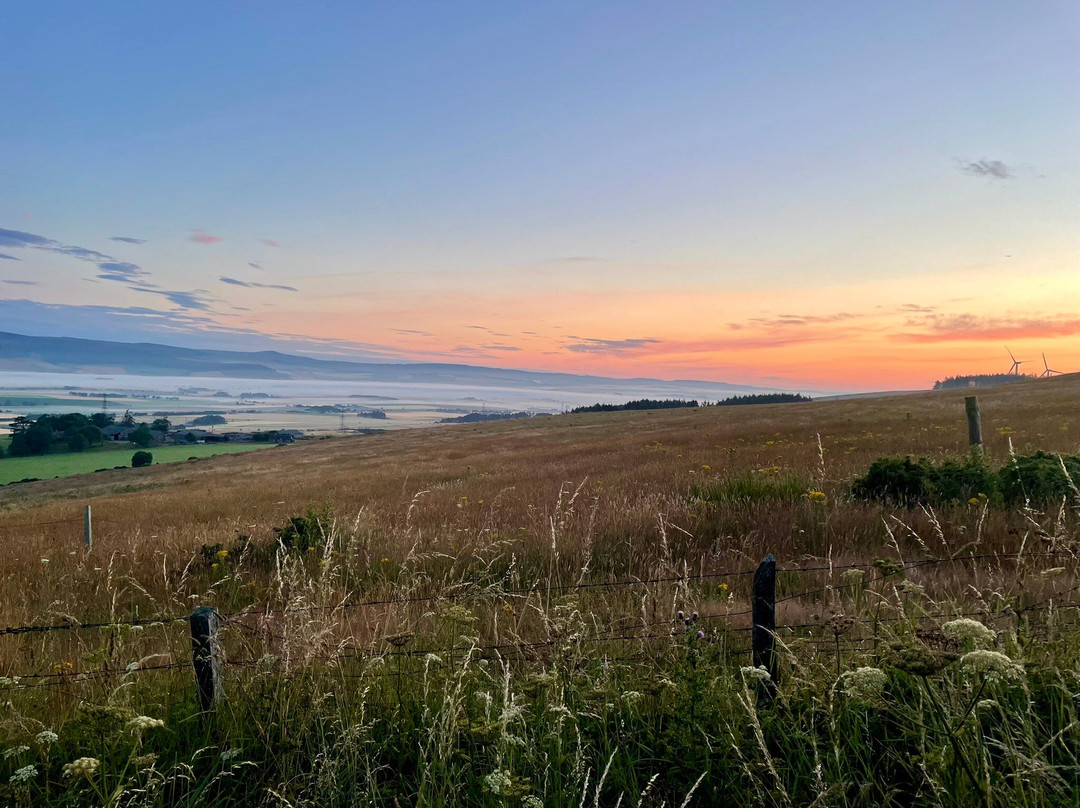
1039	478
899	480
911	482
140	459
303	533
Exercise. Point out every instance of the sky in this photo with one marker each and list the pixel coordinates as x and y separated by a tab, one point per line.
828	195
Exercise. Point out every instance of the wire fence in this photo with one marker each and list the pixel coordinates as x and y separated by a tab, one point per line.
836	637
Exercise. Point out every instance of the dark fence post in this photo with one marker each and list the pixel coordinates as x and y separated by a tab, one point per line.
763	609
971	404
206	656
88	530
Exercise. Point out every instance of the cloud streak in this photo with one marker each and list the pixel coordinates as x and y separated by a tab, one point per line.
598	346
990	169
253	285
970	327
128	239
202	237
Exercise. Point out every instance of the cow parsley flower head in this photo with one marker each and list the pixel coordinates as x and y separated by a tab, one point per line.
84	766
15	751
24	774
965	630
497	781
141	723
755	674
46	737
865	685
992	664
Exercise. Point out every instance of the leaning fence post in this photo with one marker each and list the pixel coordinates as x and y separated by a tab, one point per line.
88	529
206	656
971	404
763	609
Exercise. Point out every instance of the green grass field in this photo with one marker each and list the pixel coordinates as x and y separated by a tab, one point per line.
65	465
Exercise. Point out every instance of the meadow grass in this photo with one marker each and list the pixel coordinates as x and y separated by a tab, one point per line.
555	612
67	464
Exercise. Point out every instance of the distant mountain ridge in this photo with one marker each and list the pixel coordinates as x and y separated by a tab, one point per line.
19	352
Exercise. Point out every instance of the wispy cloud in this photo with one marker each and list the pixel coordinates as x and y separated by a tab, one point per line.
253	285
991	169
269	242
195	300
412	332
109	269
591	345
202	237
972	327
6	257
19	283
128	239
254	265
122	271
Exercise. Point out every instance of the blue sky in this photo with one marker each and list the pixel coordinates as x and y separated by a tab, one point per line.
612	187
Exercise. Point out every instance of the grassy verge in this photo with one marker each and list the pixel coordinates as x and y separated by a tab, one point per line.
68	464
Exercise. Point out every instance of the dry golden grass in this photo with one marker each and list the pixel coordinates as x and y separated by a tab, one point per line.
472	543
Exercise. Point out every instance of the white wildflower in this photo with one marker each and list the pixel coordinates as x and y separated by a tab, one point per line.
497	781
532	801
633	697
8	681
24	774
145	761
15	751
992	663
83	766
865	685
986	704
910	588
853	576
759	674
46	737
968	630
141	723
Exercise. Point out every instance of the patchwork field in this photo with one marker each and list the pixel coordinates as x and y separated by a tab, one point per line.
68	464
556	611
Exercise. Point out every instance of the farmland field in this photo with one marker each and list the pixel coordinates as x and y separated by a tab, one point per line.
66	464
553	612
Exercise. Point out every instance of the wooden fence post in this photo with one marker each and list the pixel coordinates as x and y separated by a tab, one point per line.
763	608
206	656
88	529
971	404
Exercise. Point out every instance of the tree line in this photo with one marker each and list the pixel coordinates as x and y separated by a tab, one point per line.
75	432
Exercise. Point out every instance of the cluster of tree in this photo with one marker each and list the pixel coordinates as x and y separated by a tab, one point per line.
208	420
75	432
763	398
640	404
482	417
979	380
